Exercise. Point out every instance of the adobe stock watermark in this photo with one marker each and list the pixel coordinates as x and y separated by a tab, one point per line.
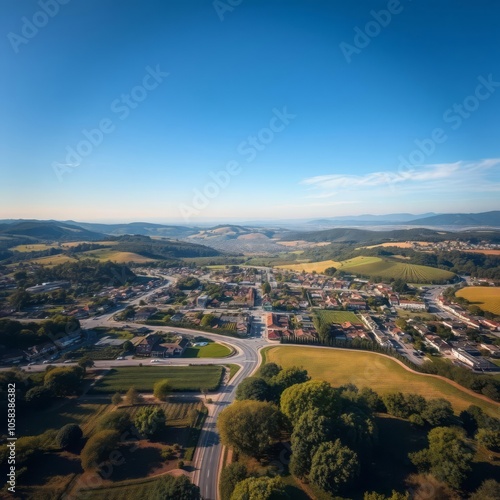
31	27
223	6
121	108
454	116
249	150
363	37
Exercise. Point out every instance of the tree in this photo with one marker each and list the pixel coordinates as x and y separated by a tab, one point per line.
311	430
266	288
300	398
64	380
260	488
255	388
334	467
98	448
207	320
250	426
330	271
150	420
489	490
394	496
85	362
371	399
20	299
178	488
118	420
448	457
69	436
162	389
290	376
399	285
116	399
269	370
132	397
489	439
230	476
438	412
39	397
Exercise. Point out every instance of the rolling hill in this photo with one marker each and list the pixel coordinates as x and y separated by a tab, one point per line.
491	219
49	230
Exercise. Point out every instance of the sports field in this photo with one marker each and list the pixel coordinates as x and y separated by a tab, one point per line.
181	378
367	369
337	317
485	297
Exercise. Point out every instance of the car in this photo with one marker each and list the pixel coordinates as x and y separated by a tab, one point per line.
46	361
32	363
155	361
120	357
69	361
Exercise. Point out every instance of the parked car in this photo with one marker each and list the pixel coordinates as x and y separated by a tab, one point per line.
155	361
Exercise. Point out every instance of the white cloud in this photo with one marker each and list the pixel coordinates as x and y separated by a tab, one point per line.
437	176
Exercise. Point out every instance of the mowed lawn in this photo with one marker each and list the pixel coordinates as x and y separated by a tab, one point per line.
181	378
338	317
485	297
211	350
366	369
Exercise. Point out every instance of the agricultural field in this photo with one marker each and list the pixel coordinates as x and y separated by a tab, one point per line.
130	490
337	317
33	247
72	412
53	260
72	244
411	273
309	267
377	267
181	378
485	297
211	350
367	369
104	254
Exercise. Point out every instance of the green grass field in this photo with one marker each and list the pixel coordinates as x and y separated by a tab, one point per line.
125	491
486	297
366	369
73	412
337	317
377	267
387	269
309	267
212	350
181	378
104	254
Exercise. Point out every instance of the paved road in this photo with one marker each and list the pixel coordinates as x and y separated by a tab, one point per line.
208	454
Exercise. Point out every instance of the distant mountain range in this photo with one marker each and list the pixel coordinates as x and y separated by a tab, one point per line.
491	219
365	236
88	231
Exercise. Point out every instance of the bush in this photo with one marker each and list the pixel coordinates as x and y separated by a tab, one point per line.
118	420
69	436
98	448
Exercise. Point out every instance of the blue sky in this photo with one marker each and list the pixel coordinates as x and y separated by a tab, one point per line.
195	110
